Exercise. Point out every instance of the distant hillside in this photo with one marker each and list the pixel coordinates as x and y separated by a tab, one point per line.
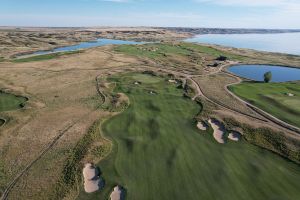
197	31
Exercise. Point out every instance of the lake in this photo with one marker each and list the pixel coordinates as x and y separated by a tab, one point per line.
85	45
280	42
256	72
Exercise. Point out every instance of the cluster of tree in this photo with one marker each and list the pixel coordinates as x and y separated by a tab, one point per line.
267	77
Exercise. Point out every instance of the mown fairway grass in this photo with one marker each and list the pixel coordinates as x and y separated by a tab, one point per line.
159	154
11	102
273	98
44	57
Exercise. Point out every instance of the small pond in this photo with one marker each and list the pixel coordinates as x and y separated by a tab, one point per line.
256	72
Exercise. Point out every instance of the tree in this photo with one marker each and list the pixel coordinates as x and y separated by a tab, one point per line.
267	77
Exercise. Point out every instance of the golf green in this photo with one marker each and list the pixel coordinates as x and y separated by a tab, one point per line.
10	102
159	153
273	98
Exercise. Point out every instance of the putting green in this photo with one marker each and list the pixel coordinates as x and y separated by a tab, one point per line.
159	153
273	98
11	102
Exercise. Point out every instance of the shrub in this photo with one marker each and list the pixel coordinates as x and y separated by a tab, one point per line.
267	77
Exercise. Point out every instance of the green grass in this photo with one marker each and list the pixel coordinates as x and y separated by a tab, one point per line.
183	49
159	154
11	102
44	57
160	50
272	98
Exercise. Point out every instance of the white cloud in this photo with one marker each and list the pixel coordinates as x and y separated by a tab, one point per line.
253	3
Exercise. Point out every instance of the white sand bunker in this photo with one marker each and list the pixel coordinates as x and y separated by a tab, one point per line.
290	94
234	136
202	126
92	181
117	194
172	81
219	130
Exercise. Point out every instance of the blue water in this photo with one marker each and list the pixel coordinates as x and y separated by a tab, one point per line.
256	72
280	42
85	45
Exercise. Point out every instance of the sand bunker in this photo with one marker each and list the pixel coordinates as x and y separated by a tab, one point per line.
290	94
202	126
172	81
219	130
117	194
92	180
234	136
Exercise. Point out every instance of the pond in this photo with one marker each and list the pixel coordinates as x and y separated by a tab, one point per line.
279	42
256	72
85	45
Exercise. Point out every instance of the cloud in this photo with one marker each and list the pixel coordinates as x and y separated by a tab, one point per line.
252	3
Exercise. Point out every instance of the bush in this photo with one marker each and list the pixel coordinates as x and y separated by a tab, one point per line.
267	77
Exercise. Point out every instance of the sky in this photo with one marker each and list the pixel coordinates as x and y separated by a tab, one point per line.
164	13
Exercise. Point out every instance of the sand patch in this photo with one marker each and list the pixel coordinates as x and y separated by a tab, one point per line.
172	81
117	194
92	181
202	126
234	136
219	130
290	94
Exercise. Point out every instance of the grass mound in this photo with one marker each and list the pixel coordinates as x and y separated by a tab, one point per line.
273	98
159	153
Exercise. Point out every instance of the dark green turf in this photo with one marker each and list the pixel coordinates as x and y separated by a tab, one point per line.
11	102
44	57
272	98
159	154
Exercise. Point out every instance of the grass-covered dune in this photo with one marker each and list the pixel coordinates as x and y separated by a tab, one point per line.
158	153
11	102
273	98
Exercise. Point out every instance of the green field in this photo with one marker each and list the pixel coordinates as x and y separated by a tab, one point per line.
44	57
11	102
159	153
161	50
273	98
